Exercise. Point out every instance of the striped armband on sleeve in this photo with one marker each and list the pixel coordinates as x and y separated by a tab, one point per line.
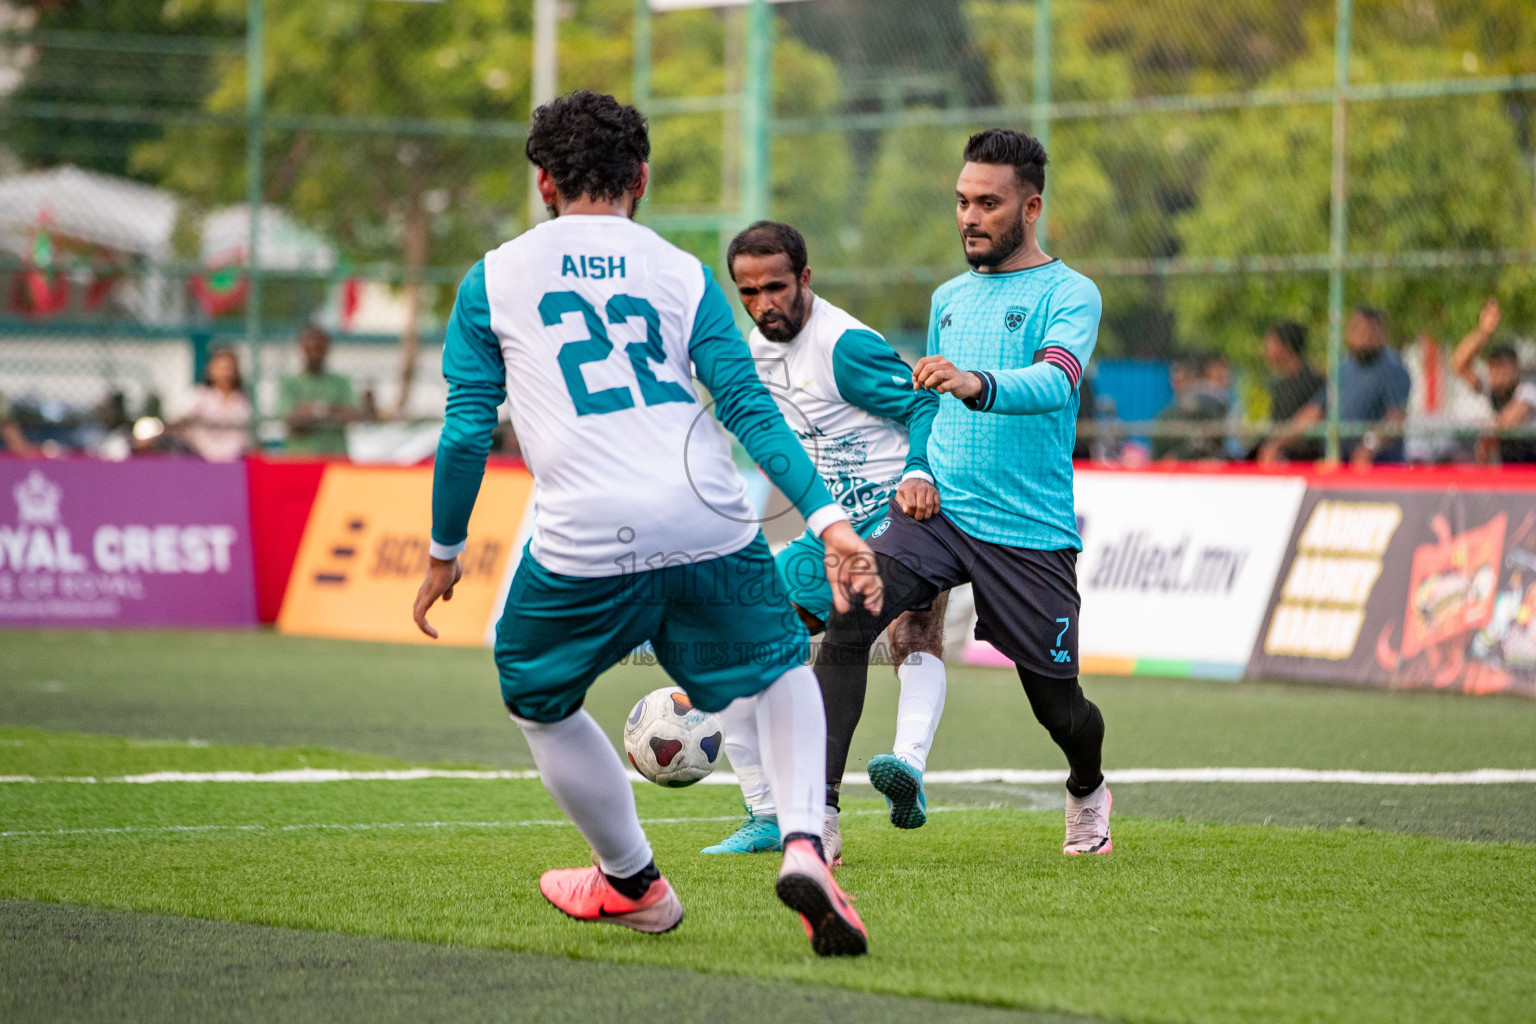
1063	360
988	395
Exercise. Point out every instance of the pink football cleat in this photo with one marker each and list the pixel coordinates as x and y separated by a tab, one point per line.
587	895
806	886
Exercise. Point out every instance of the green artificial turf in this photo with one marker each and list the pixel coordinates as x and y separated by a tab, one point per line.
1213	907
431	704
68	963
1184	921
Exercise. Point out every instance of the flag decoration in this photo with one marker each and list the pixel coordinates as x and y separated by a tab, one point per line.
220	291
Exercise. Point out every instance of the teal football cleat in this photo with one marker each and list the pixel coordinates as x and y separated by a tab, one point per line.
756	835
902	786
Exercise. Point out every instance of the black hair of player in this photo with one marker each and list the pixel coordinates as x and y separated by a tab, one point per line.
768	238
1292	335
1503	352
590	143
1373	314
1015	149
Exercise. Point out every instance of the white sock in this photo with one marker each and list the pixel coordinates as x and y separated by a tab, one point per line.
792	731
741	749
583	773
920	707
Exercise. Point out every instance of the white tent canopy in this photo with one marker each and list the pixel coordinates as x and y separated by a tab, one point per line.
283	244
96	208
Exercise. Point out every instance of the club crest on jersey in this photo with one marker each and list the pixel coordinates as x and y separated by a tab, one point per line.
1014	318
885	524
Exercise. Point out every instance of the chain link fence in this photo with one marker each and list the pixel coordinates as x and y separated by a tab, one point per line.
1217	168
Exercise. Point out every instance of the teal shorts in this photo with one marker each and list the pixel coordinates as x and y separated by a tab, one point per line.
803	566
722	628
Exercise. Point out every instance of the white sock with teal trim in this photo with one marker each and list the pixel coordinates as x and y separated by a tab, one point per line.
919	708
583	773
741	749
792	732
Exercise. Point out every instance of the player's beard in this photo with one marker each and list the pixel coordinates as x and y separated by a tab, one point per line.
1002	246
784	327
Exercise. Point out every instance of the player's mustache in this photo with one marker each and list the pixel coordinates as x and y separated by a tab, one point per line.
974	233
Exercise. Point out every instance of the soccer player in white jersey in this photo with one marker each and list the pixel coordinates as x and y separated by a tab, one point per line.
849	398
593	326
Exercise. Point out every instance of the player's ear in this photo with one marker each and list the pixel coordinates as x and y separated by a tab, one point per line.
545	183
805	277
1032	204
642	182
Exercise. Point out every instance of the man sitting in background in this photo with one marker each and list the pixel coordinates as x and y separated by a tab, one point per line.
1373	388
316	404
1294	384
1196	400
12	440
1513	400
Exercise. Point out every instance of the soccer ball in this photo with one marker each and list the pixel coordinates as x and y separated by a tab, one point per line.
670	741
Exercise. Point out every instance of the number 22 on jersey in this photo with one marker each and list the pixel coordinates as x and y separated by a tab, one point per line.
596	346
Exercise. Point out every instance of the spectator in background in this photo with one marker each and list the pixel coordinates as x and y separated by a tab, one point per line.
1513	400
1195	402
1373	388
12	440
1292	387
1087	412
217	423
316	404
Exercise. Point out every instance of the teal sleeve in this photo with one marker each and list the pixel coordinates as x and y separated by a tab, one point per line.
1071	331
933	327
872	376
477	385
724	363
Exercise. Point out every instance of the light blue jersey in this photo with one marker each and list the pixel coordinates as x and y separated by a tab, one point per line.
1003	460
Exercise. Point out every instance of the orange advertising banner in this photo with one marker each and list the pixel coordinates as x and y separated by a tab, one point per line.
364	556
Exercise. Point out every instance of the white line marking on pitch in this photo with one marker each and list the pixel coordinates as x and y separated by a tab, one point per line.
1477	777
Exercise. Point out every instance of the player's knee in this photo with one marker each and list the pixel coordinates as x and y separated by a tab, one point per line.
536	715
917	633
848	638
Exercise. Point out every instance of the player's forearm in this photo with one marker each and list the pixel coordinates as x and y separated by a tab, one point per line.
1032	390
468	426
925	405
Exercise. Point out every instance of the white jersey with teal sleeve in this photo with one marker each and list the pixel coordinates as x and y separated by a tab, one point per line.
593	326
848	396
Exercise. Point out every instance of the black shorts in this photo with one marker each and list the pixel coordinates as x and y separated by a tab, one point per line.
1026	601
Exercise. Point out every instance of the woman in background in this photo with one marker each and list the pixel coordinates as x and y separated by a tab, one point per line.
217	423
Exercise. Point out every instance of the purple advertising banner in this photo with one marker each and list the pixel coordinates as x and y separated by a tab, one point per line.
124	544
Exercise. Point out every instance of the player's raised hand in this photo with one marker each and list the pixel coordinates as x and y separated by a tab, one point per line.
939	374
851	568
442	576
917	498
1489	316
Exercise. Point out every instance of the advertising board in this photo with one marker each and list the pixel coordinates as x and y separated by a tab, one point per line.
147	542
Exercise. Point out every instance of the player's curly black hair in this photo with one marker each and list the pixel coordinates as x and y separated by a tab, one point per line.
590	143
1004	146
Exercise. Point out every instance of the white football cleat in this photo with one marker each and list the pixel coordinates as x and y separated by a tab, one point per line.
1088	822
832	838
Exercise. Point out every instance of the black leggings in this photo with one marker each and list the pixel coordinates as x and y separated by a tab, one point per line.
842	669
